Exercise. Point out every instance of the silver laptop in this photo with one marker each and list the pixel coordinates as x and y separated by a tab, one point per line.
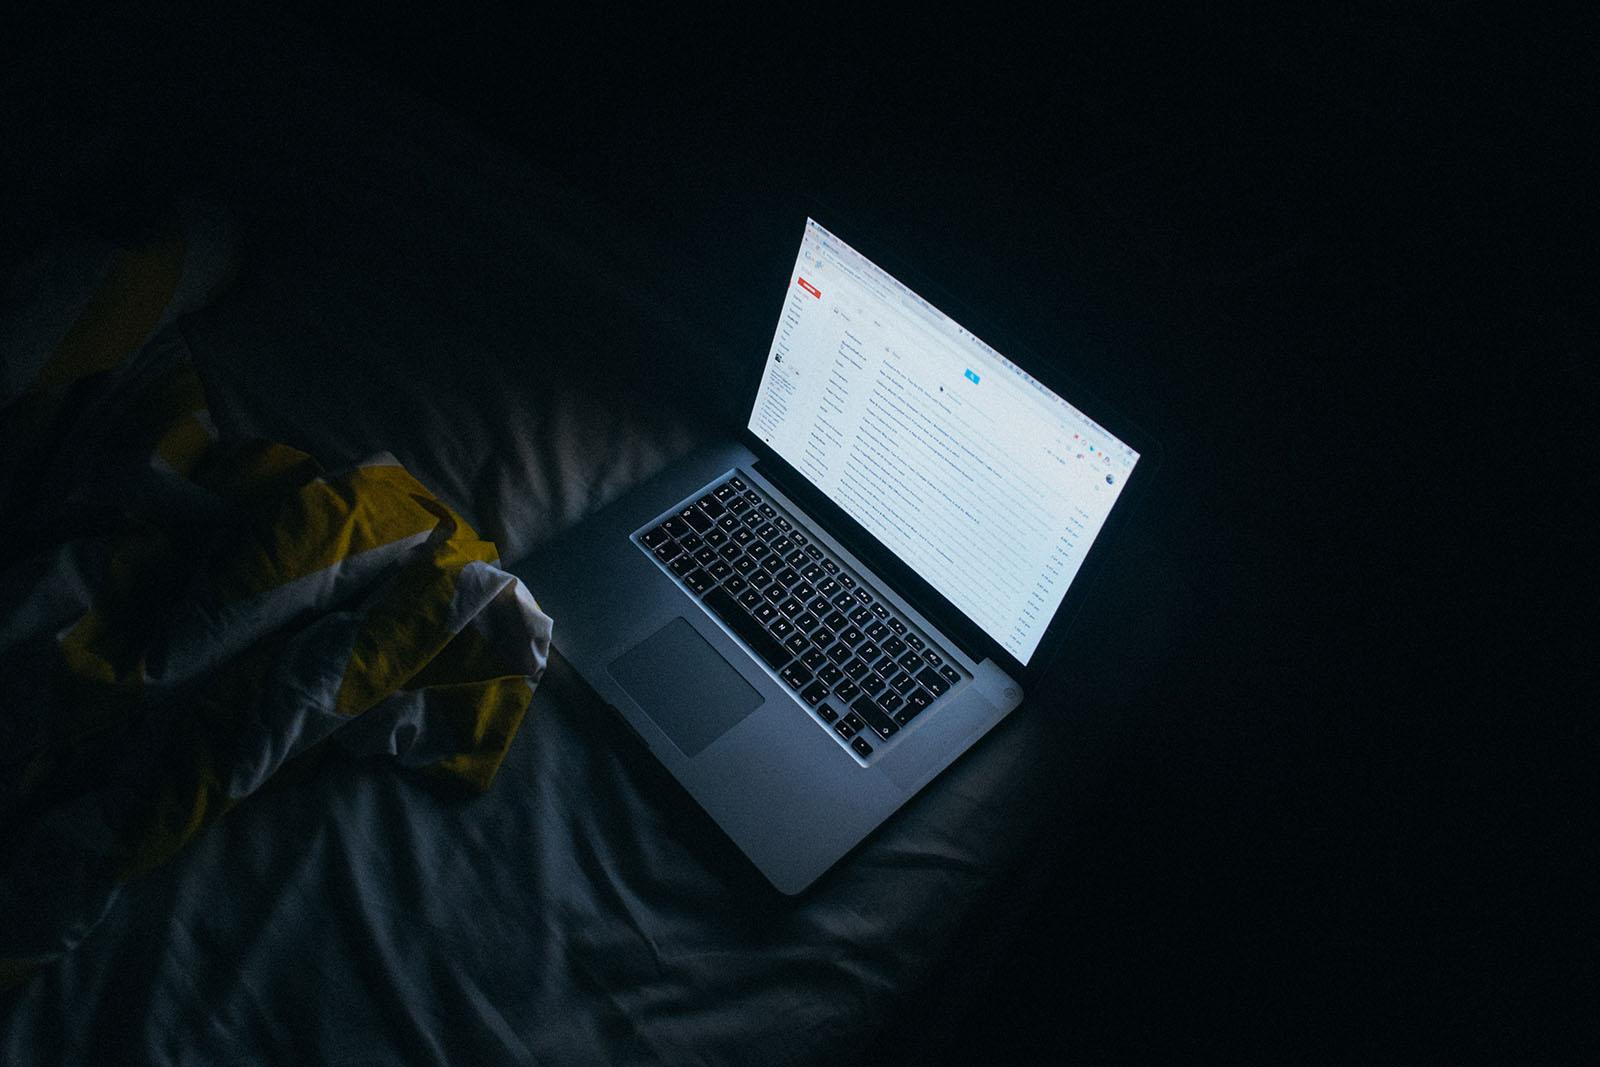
808	624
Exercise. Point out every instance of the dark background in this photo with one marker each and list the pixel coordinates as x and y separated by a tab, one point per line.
1313	799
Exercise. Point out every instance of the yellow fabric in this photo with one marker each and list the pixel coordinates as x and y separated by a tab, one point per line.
326	521
120	316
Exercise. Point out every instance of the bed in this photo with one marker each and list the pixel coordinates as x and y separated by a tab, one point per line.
265	306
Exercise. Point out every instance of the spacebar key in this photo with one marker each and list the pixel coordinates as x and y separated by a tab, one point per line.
769	648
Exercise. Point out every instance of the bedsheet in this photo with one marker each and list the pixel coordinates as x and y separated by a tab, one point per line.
400	286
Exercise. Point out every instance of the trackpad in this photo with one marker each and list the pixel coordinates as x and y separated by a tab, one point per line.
685	686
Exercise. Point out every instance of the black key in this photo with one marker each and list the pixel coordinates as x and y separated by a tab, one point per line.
667	551
813	658
875	717
696	518
847	690
796	676
654	537
933	682
951	675
751	632
850	725
711	505
698	580
675	526
860	745
796	643
906	714
915	642
814	694
824	710
682	565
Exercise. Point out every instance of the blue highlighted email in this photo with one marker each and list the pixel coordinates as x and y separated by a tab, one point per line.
973	377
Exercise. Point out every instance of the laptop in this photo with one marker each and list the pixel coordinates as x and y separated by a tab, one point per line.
807	624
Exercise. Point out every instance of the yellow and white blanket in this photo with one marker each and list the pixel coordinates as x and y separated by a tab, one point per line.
184	619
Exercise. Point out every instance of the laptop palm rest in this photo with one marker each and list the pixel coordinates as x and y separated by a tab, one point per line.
685	686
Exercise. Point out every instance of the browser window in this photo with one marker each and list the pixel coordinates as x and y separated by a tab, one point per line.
985	482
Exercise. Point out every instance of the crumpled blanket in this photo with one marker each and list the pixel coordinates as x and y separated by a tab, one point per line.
184	620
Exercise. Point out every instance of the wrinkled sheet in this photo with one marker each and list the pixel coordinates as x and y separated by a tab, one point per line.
402	287
186	617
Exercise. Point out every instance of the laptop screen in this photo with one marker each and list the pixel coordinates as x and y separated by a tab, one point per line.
984	482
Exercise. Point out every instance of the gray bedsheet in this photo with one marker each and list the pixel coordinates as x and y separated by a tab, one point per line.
402	285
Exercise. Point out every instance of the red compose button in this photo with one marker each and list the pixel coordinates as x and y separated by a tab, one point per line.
808	287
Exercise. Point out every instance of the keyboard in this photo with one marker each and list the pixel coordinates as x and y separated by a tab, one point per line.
843	651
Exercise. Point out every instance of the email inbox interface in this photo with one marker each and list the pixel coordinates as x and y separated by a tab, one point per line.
986	483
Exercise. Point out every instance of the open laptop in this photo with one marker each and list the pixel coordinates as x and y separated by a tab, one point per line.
808	624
